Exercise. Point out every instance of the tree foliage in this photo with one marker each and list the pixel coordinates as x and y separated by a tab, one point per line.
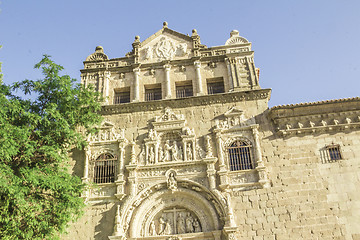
38	196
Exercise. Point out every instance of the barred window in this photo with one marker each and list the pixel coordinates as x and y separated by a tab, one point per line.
184	90
215	86
122	96
153	93
334	152
105	168
240	156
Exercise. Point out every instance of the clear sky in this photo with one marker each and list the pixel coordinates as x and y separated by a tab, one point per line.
306	50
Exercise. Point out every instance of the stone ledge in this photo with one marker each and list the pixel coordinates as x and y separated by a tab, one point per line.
186	102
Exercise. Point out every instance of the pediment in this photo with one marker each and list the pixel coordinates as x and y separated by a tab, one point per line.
165	44
106	124
234	112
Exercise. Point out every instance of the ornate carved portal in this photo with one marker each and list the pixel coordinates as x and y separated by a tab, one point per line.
191	212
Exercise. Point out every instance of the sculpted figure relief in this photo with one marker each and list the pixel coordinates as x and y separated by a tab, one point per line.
189	223
171	182
152	230
189	151
181	224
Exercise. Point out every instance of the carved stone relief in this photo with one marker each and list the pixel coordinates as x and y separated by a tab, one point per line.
107	132
165	49
174	220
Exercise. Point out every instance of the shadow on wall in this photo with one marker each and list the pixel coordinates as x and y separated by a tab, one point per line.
105	226
78	157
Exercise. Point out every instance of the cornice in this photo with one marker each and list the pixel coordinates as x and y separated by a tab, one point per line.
318	117
186	102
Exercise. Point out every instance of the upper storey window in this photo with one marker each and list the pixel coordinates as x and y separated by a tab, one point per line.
184	90
122	96
240	156
153	92
215	86
105	168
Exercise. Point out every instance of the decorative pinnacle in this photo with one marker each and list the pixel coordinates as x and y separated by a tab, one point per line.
165	24
234	33
194	32
137	38
99	49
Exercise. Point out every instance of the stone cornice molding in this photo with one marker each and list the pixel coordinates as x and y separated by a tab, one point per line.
186	102
317	117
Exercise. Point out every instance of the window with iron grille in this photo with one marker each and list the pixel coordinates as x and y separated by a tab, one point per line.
105	168
215	86
333	151
122	96
184	90
153	93
240	156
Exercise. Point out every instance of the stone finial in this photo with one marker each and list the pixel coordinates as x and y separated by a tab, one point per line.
137	39
99	49
234	33
165	24
194	32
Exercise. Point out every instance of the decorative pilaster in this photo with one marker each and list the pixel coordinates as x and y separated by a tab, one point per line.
120	182
263	178
107	75
198	79
132	170
253	76
136	85
167	81
230	74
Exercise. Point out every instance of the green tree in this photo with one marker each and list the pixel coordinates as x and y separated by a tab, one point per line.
38	196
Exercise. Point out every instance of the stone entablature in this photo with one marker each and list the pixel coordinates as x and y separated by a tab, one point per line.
318	117
187	102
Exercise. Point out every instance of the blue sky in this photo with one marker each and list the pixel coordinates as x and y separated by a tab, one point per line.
306	50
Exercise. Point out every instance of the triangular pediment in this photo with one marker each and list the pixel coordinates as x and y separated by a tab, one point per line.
234	112
106	124
165	44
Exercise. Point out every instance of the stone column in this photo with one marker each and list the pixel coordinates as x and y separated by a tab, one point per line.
167	81
136	86
198	79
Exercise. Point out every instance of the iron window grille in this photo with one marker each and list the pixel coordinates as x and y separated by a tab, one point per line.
240	156
122	97
214	87
333	151
184	91
105	168
152	94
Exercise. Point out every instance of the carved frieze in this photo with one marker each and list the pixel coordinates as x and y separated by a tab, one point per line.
107	132
319	123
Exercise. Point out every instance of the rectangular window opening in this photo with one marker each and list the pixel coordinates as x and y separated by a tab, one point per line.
184	89
153	92
334	152
122	96
215	85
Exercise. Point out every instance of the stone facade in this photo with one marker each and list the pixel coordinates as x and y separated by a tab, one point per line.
190	150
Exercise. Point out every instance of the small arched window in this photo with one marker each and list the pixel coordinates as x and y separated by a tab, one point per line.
240	156
105	168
